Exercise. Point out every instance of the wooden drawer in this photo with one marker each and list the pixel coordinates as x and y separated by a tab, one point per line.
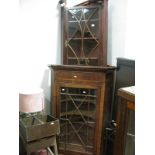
79	76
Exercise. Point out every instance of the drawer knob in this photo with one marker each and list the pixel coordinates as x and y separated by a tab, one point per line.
75	76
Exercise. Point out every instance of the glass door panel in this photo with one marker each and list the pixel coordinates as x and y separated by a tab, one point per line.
82	36
77	119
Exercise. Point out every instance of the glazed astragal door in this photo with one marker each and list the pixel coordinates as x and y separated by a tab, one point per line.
83	41
77	119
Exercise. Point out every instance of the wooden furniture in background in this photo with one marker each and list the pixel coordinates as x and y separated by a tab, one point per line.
85	35
82	101
125	77
125	129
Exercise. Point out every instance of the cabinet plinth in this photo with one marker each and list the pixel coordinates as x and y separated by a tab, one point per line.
81	99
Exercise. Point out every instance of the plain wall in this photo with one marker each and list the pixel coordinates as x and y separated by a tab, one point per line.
39	43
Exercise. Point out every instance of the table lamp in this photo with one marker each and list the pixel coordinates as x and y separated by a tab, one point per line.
31	100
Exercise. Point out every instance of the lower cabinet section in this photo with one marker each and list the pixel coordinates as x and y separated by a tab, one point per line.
82	101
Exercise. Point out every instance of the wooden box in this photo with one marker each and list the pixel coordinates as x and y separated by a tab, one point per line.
38	126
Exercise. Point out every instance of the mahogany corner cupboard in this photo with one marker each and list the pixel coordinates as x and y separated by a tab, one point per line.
85	35
81	99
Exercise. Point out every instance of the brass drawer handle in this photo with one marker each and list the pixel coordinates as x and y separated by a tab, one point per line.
75	76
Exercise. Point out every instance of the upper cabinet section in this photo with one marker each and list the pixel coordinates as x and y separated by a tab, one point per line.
85	35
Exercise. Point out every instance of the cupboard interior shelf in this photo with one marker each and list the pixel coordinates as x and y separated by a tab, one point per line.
89	124
86	101
83	58
84	95
91	38
89	20
83	112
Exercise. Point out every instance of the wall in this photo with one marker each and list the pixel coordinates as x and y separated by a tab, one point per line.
39	43
117	13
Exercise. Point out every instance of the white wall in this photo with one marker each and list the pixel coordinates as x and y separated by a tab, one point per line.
39	32
117	26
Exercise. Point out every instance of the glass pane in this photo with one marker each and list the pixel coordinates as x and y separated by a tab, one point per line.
74	48
130	135
74	30
89	45
83	33
93	28
91	13
74	14
77	117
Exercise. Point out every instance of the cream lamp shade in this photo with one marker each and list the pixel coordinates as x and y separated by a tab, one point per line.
31	100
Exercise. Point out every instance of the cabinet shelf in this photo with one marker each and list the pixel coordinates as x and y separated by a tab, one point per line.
85	38
84	113
83	58
88	124
90	20
84	101
85	95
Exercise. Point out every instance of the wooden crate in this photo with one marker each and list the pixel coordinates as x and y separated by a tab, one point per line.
38	126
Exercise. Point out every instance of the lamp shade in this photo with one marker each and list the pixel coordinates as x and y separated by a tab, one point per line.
31	100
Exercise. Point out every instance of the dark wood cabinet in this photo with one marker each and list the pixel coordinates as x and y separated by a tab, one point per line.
82	86
85	35
125	131
82	101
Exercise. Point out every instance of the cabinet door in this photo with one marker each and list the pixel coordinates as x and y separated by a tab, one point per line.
83	36
77	113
